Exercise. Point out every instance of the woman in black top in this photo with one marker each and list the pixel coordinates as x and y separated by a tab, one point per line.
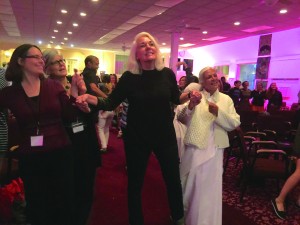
275	98
258	98
150	88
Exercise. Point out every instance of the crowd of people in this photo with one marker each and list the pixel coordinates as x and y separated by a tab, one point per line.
59	150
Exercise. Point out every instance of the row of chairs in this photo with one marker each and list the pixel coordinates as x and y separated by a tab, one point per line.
261	158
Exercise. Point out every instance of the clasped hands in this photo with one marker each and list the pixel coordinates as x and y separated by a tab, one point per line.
195	99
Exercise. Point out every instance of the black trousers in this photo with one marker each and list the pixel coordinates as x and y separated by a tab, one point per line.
48	184
137	156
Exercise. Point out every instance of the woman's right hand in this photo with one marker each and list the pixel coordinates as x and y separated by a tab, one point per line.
86	98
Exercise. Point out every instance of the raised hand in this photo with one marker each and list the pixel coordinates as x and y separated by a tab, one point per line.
78	83
195	99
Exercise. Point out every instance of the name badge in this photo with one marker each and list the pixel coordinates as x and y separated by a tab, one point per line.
37	140
77	127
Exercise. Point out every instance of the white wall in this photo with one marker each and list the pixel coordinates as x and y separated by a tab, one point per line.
284	66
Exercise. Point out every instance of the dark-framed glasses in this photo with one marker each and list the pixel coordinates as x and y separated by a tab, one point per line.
58	62
34	57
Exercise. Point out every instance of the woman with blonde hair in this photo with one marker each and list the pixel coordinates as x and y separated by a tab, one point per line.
150	87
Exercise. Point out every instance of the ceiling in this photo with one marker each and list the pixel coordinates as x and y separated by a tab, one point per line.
111	24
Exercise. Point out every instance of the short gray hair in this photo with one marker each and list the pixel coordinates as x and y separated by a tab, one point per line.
48	55
201	73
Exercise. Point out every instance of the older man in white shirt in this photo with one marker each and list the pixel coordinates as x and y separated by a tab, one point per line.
208	122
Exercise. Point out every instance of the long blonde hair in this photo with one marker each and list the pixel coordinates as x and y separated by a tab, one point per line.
133	64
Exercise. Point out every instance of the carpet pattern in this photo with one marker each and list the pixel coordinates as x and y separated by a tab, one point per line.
110	201
256	203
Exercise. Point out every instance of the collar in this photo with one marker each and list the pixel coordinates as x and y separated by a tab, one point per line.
215	96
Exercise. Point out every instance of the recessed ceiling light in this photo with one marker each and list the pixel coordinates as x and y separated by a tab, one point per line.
51	42
65	38
55	31
283	11
72	45
94	0
64	11
62	43
59	22
70	32
163	43
75	24
40	42
82	14
204	32
53	37
237	23
181	38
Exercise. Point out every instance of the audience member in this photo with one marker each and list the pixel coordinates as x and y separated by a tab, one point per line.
182	83
226	85
235	93
279	202
105	117
258	98
244	104
41	107
201	168
274	97
84	141
149	88
90	78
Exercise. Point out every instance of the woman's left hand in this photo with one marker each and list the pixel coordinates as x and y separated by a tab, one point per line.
78	83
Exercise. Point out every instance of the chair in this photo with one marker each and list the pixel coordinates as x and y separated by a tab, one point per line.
233	151
265	163
257	135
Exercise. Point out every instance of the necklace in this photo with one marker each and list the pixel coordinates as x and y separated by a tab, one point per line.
67	87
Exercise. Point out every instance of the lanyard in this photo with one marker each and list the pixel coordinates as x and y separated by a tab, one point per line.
34	107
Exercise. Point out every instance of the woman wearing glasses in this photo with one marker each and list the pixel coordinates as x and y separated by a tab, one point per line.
85	142
41	106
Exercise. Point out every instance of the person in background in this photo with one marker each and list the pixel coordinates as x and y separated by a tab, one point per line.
201	168
244	104
90	78
274	97
182	83
235	93
279	202
258	98
226	85
84	141
149	88
41	108
105	117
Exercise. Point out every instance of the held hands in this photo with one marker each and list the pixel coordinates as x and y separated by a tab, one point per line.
84	107
86	99
78	86
195	99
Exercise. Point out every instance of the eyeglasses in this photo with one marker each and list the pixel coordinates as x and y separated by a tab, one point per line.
58	62
34	57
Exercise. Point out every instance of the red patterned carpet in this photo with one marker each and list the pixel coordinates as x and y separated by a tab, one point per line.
256	204
110	202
